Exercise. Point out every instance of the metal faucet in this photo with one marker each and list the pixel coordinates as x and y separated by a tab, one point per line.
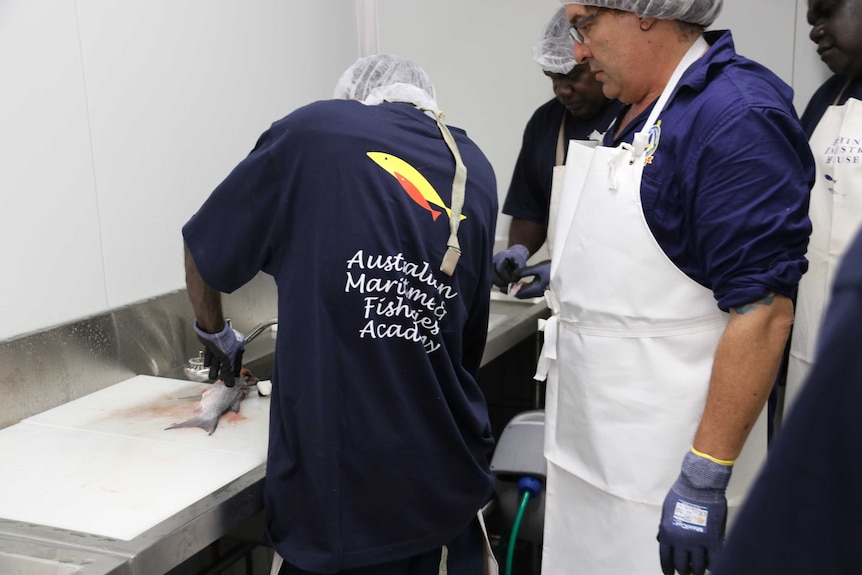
260	328
194	368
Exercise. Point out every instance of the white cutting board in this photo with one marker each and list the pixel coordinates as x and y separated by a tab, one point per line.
104	464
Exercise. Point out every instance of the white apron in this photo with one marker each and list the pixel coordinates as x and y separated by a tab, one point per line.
556	186
557	177
637	338
836	213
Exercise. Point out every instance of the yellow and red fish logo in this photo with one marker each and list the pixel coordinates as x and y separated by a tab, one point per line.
417	187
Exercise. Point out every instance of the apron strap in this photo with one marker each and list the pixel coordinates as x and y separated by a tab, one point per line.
561	142
459	184
694	52
277	562
444	561
550	327
841	93
641	139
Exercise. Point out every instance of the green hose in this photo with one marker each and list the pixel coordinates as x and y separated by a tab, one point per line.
511	553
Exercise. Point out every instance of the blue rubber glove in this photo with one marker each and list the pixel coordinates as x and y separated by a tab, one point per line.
694	516
222	353
541	273
505	264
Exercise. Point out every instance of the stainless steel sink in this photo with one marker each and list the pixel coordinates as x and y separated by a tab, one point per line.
13	564
495	320
260	367
29	557
507	310
510	321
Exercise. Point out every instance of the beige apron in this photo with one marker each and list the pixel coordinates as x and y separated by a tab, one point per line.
836	213
637	338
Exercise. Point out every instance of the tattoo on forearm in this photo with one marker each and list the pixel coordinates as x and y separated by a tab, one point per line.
767	300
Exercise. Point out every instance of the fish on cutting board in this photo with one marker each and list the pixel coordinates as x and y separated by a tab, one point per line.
217	400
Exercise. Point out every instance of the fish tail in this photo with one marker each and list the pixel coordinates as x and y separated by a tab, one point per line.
449	213
207	424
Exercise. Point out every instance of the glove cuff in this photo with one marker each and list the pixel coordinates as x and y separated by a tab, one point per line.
520	250
703	472
531	270
227	339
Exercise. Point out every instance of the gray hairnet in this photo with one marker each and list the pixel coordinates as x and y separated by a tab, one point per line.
702	12
555	51
384	77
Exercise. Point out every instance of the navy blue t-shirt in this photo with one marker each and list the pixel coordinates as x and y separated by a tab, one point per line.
825	96
802	514
725	193
379	434
529	192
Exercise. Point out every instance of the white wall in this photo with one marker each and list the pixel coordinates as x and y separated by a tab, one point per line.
118	118
481	63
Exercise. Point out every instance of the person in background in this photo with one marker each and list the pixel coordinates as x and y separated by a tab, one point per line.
681	241
377	222
833	122
578	111
802	515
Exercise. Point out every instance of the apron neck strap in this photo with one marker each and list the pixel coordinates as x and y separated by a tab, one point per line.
459	184
561	141
694	52
841	93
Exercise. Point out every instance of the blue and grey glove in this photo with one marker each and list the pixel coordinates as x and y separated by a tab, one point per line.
505	264
694	515
541	273
222	353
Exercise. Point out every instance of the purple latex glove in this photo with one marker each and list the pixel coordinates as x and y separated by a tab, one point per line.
222	353
541	273
693	517
505	264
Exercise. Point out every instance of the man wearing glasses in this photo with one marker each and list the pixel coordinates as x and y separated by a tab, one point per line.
682	240
578	110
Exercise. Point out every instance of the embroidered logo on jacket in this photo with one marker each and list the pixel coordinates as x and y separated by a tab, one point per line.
652	143
417	187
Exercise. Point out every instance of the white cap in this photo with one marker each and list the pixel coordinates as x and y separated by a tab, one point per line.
384	77
702	12
555	51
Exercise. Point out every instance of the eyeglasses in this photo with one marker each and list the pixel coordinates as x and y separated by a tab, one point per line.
578	28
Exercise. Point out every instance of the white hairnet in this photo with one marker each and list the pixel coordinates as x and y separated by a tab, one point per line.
384	77
555	51
702	12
